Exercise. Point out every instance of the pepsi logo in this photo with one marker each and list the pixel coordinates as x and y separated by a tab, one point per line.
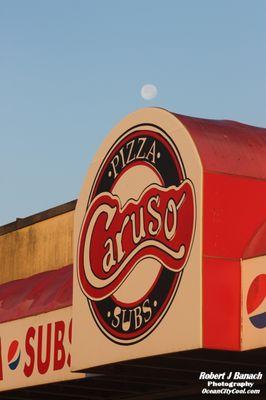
136	234
256	302
13	356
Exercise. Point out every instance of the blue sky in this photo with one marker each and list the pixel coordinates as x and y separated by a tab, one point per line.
70	70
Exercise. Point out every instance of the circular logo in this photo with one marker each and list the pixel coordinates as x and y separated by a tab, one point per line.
136	235
256	302
13	356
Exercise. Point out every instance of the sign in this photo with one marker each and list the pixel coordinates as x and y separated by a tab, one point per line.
254	303
137	274
36	350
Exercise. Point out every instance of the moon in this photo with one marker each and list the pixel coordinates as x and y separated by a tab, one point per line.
148	91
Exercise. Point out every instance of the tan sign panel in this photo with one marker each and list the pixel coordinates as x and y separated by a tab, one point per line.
253	333
36	350
138	244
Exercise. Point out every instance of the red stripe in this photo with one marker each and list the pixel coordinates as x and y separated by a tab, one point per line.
1	367
221	304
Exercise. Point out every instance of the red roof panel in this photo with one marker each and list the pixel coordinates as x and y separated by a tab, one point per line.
228	146
40	293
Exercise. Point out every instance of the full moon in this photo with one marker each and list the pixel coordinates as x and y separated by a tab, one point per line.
148	91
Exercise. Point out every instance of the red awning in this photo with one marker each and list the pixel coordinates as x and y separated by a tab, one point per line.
40	293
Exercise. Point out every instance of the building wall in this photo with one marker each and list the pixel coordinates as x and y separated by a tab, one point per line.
41	246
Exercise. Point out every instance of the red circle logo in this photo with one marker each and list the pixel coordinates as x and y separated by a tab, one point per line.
13	356
136	235
256	301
